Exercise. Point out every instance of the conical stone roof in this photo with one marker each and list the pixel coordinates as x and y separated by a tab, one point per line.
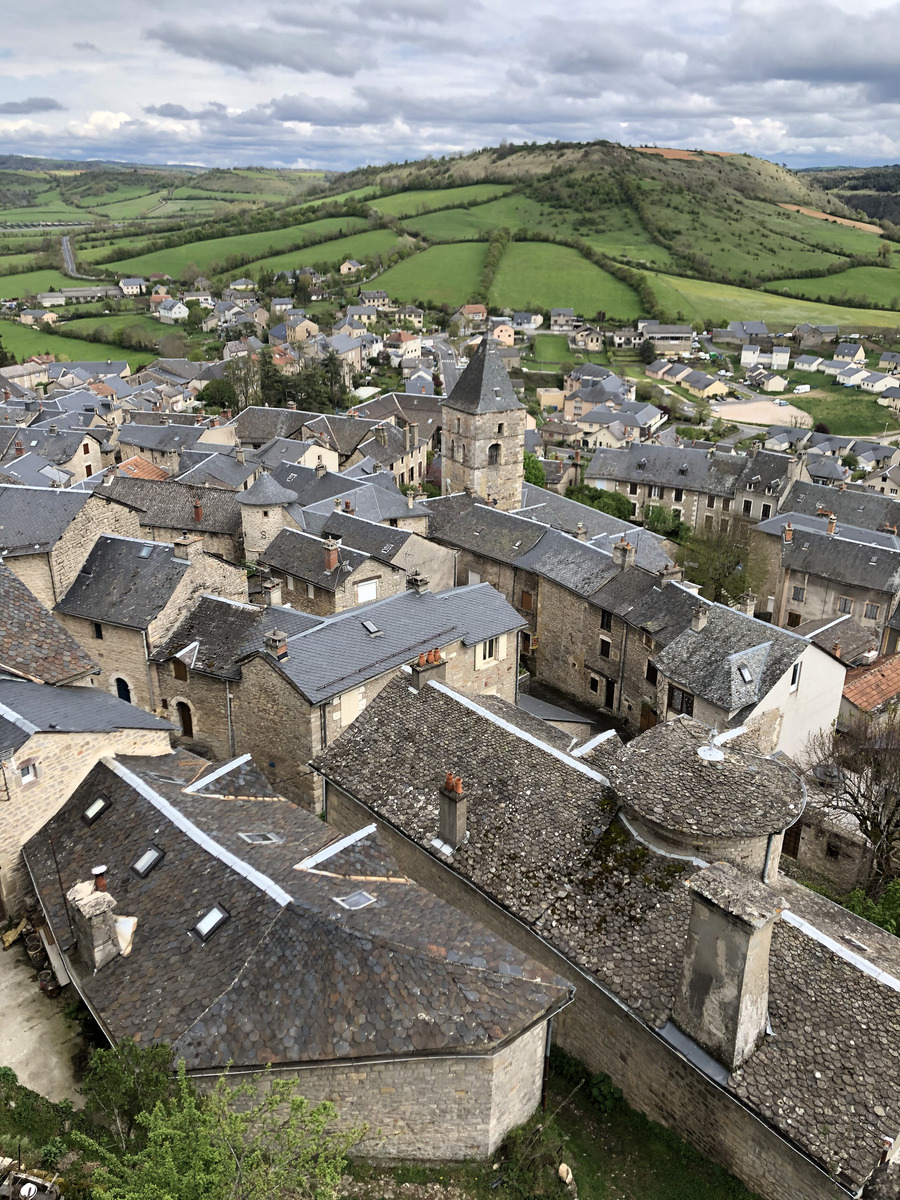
266	492
484	386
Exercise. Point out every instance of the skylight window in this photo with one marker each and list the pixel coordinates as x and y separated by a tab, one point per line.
746	674
210	922
355	900
95	810
371	628
146	551
260	839
148	860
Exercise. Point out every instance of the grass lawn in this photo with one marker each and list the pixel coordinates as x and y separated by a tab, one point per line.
32	282
698	299
204	255
542	275
119	321
22	341
880	285
406	203
360	246
552	348
441	275
845	411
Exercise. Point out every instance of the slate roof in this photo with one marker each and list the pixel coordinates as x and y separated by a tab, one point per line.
29	708
216	634
380	541
841	635
168	504
489	531
33	519
374	499
33	643
266	490
766	470
669	466
484	385
125	582
578	566
544	844
862	507
259	425
292	975
303	557
163	438
841	557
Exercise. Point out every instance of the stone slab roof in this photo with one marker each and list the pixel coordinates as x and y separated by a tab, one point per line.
168	504
125	582
33	519
303	556
160	437
694	470
379	541
33	707
862	507
292	975
488	531
32	642
484	385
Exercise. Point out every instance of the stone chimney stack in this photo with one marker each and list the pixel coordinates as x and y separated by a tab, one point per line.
748	603
320	468
272	593
624	553
452	816
275	642
416	581
723	1000
198	511
429	666
239	455
699	617
406	440
331	556
581	531
93	923
832	524
414	434
20	448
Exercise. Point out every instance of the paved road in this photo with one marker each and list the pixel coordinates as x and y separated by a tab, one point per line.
69	261
449	367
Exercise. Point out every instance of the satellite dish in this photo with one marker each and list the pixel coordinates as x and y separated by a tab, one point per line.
28	1191
711	754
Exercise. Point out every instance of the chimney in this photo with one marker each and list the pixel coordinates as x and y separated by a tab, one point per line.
410	499
331	556
198	511
429	666
239	455
623	553
414	433
321	469
416	581
699	617
91	908
347	507
581	531
20	448
406	439
275	642
748	603
843	486
832	524
836	649
452	816
337	504
723	1001
381	434
272	592
788	532
190	546
577	456
53	429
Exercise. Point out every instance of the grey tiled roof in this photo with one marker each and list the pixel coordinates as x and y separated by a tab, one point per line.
32	520
864	507
266	491
32	642
303	557
669	466
380	541
578	566
199	467
73	709
160	437
371	500
259	425
484	385
488	531
125	582
167	504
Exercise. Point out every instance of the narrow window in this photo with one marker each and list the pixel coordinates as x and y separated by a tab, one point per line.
594	684
710	502
179	670
747	508
651	674
489	649
494	454
605	620
793	620
605	648
799	594
528	601
632	489
123	691
726	504
678	495
845	605
185	719
795	676
872	611
98	631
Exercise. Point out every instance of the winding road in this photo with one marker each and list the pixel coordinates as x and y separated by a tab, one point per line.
69	261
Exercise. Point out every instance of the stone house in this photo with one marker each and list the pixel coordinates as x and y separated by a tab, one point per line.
77	451
766	381
166	510
377	298
402	548
128	597
269	904
281	684
350	267
706	992
50	738
164	444
47	533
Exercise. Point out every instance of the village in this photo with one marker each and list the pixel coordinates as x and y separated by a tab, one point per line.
344	741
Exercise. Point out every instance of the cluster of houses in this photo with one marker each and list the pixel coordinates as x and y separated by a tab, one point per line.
597	865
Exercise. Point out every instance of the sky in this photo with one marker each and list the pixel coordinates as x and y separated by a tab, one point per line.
279	83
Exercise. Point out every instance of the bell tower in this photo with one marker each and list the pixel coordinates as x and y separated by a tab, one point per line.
483	432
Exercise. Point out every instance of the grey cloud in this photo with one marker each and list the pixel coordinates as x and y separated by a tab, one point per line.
84	46
249	49
177	112
34	104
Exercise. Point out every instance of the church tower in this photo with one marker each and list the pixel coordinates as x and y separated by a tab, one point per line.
483	432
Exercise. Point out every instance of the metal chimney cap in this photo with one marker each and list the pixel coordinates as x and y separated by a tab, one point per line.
98	871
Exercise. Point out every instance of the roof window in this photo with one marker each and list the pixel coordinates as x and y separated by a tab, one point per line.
95	810
143	865
260	839
210	922
372	629
355	900
146	551
746	674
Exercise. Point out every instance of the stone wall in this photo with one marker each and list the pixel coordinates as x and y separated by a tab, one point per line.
120	654
466	443
207	699
62	761
438	1108
607	1038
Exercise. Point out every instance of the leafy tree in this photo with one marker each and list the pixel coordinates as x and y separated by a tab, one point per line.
6	359
613	503
702	410
219	393
723	564
661	519
256	1141
859	767
647	352
123	1082
334	378
534	472
821	427
243	375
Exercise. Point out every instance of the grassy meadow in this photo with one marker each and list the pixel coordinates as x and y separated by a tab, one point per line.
441	275
543	275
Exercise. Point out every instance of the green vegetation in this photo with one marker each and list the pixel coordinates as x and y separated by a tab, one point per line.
541	275
361	246
613	503
32	282
440	275
552	348
23	341
406	204
862	285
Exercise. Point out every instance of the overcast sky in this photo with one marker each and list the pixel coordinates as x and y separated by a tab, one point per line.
371	81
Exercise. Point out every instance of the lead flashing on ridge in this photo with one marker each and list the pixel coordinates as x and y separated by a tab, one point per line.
217	774
333	848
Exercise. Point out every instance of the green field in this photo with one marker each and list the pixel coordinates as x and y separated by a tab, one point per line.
23	341
552	348
405	204
206	255
878	285
32	282
849	414
360	246
541	275
119	321
717	304
441	275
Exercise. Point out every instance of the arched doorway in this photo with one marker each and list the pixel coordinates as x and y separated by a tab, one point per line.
123	691
185	719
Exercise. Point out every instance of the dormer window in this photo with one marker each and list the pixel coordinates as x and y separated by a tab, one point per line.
210	922
95	810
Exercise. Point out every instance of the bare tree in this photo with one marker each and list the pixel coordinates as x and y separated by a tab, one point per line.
858	768
242	372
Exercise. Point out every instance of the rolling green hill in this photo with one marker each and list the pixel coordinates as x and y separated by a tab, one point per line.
598	227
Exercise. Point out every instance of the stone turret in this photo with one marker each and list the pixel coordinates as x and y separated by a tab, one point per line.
262	513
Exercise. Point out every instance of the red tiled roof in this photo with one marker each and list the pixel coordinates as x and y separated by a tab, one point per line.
870	687
139	468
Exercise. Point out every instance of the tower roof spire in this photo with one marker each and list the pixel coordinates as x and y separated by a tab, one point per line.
484	386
